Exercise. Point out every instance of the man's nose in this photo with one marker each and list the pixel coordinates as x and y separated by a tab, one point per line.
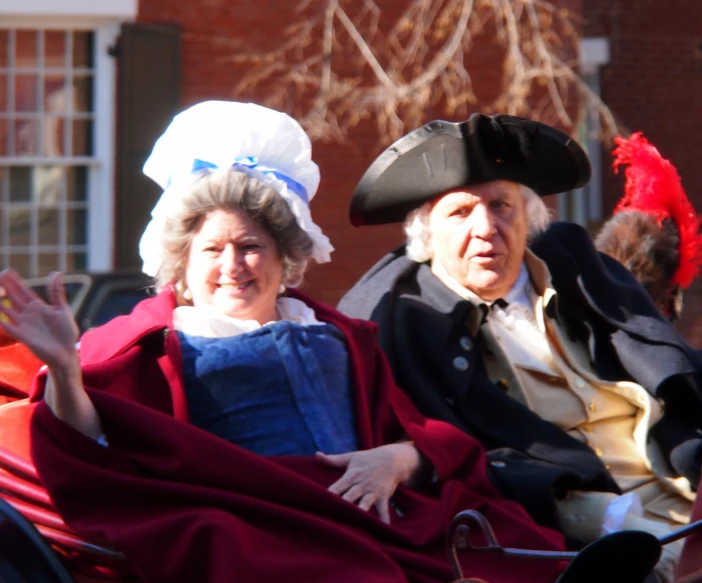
482	222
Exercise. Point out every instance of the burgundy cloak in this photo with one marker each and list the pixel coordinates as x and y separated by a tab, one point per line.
185	506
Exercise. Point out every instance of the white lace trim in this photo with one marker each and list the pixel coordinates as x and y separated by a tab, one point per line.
207	322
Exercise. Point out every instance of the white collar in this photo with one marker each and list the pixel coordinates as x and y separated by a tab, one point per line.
207	322
518	293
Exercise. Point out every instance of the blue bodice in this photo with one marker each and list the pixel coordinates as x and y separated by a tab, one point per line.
282	389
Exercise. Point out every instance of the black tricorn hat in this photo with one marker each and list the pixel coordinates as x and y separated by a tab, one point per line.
442	156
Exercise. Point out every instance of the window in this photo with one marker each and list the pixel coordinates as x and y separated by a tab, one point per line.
57	132
47	116
584	205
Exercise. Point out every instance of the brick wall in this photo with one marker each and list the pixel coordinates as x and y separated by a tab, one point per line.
653	83
212	32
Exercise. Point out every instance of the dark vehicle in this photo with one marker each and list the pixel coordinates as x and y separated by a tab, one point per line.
98	297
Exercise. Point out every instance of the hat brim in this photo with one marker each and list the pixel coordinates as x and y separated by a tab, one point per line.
443	156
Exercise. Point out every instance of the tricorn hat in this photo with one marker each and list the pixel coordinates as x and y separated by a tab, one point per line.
442	156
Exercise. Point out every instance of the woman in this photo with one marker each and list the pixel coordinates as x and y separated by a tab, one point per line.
223	430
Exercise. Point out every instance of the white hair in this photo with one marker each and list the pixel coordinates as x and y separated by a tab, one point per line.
419	234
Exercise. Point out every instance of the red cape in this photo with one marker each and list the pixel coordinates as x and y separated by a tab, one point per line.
184	505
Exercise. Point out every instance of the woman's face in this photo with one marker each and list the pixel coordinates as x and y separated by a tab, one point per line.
234	266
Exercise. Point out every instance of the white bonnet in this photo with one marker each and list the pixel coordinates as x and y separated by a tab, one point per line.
266	144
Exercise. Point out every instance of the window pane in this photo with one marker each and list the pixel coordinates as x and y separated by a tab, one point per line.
4	48
82	49
26	137
26	48
82	137
3	92
4	138
20	184
83	95
55	48
20	221
76	262
77	227
54	136
26	92
48	185
55	94
22	263
48	226
48	262
77	184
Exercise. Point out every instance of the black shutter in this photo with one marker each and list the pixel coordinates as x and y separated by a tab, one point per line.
148	98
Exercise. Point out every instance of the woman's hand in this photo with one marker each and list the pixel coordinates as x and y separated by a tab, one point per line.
51	333
373	475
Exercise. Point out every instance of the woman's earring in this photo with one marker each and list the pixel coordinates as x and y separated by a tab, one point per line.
187	294
281	290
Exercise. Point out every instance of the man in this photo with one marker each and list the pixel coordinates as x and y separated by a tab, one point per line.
551	354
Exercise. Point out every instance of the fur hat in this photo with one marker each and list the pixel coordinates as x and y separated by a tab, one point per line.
442	156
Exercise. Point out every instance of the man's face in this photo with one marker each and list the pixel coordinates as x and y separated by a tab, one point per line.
479	236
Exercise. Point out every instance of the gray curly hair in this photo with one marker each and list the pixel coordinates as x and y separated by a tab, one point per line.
232	190
419	235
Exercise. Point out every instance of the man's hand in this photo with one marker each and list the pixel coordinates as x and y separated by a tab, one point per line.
373	475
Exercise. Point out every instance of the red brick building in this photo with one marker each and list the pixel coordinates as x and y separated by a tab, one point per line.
83	203
652	81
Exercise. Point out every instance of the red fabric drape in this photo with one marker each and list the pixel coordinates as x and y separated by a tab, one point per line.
184	505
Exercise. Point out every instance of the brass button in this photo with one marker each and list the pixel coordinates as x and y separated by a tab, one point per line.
460	363
598	451
466	343
592	407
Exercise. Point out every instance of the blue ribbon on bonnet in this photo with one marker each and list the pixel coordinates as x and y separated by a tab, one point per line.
251	162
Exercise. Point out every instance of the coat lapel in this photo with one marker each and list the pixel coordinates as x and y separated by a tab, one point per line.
606	298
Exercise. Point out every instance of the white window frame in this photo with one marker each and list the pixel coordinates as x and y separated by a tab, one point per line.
587	201
103	18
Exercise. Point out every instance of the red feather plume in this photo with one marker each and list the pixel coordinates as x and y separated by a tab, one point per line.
654	187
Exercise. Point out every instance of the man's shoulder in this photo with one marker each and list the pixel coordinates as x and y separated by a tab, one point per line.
570	253
361	300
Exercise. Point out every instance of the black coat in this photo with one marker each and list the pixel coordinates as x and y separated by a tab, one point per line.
424	327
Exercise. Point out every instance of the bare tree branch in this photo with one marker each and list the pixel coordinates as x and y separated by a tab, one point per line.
341	64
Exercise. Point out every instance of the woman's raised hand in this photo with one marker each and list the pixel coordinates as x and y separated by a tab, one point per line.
48	330
51	333
373	475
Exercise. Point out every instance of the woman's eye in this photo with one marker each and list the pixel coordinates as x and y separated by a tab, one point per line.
251	247
459	212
